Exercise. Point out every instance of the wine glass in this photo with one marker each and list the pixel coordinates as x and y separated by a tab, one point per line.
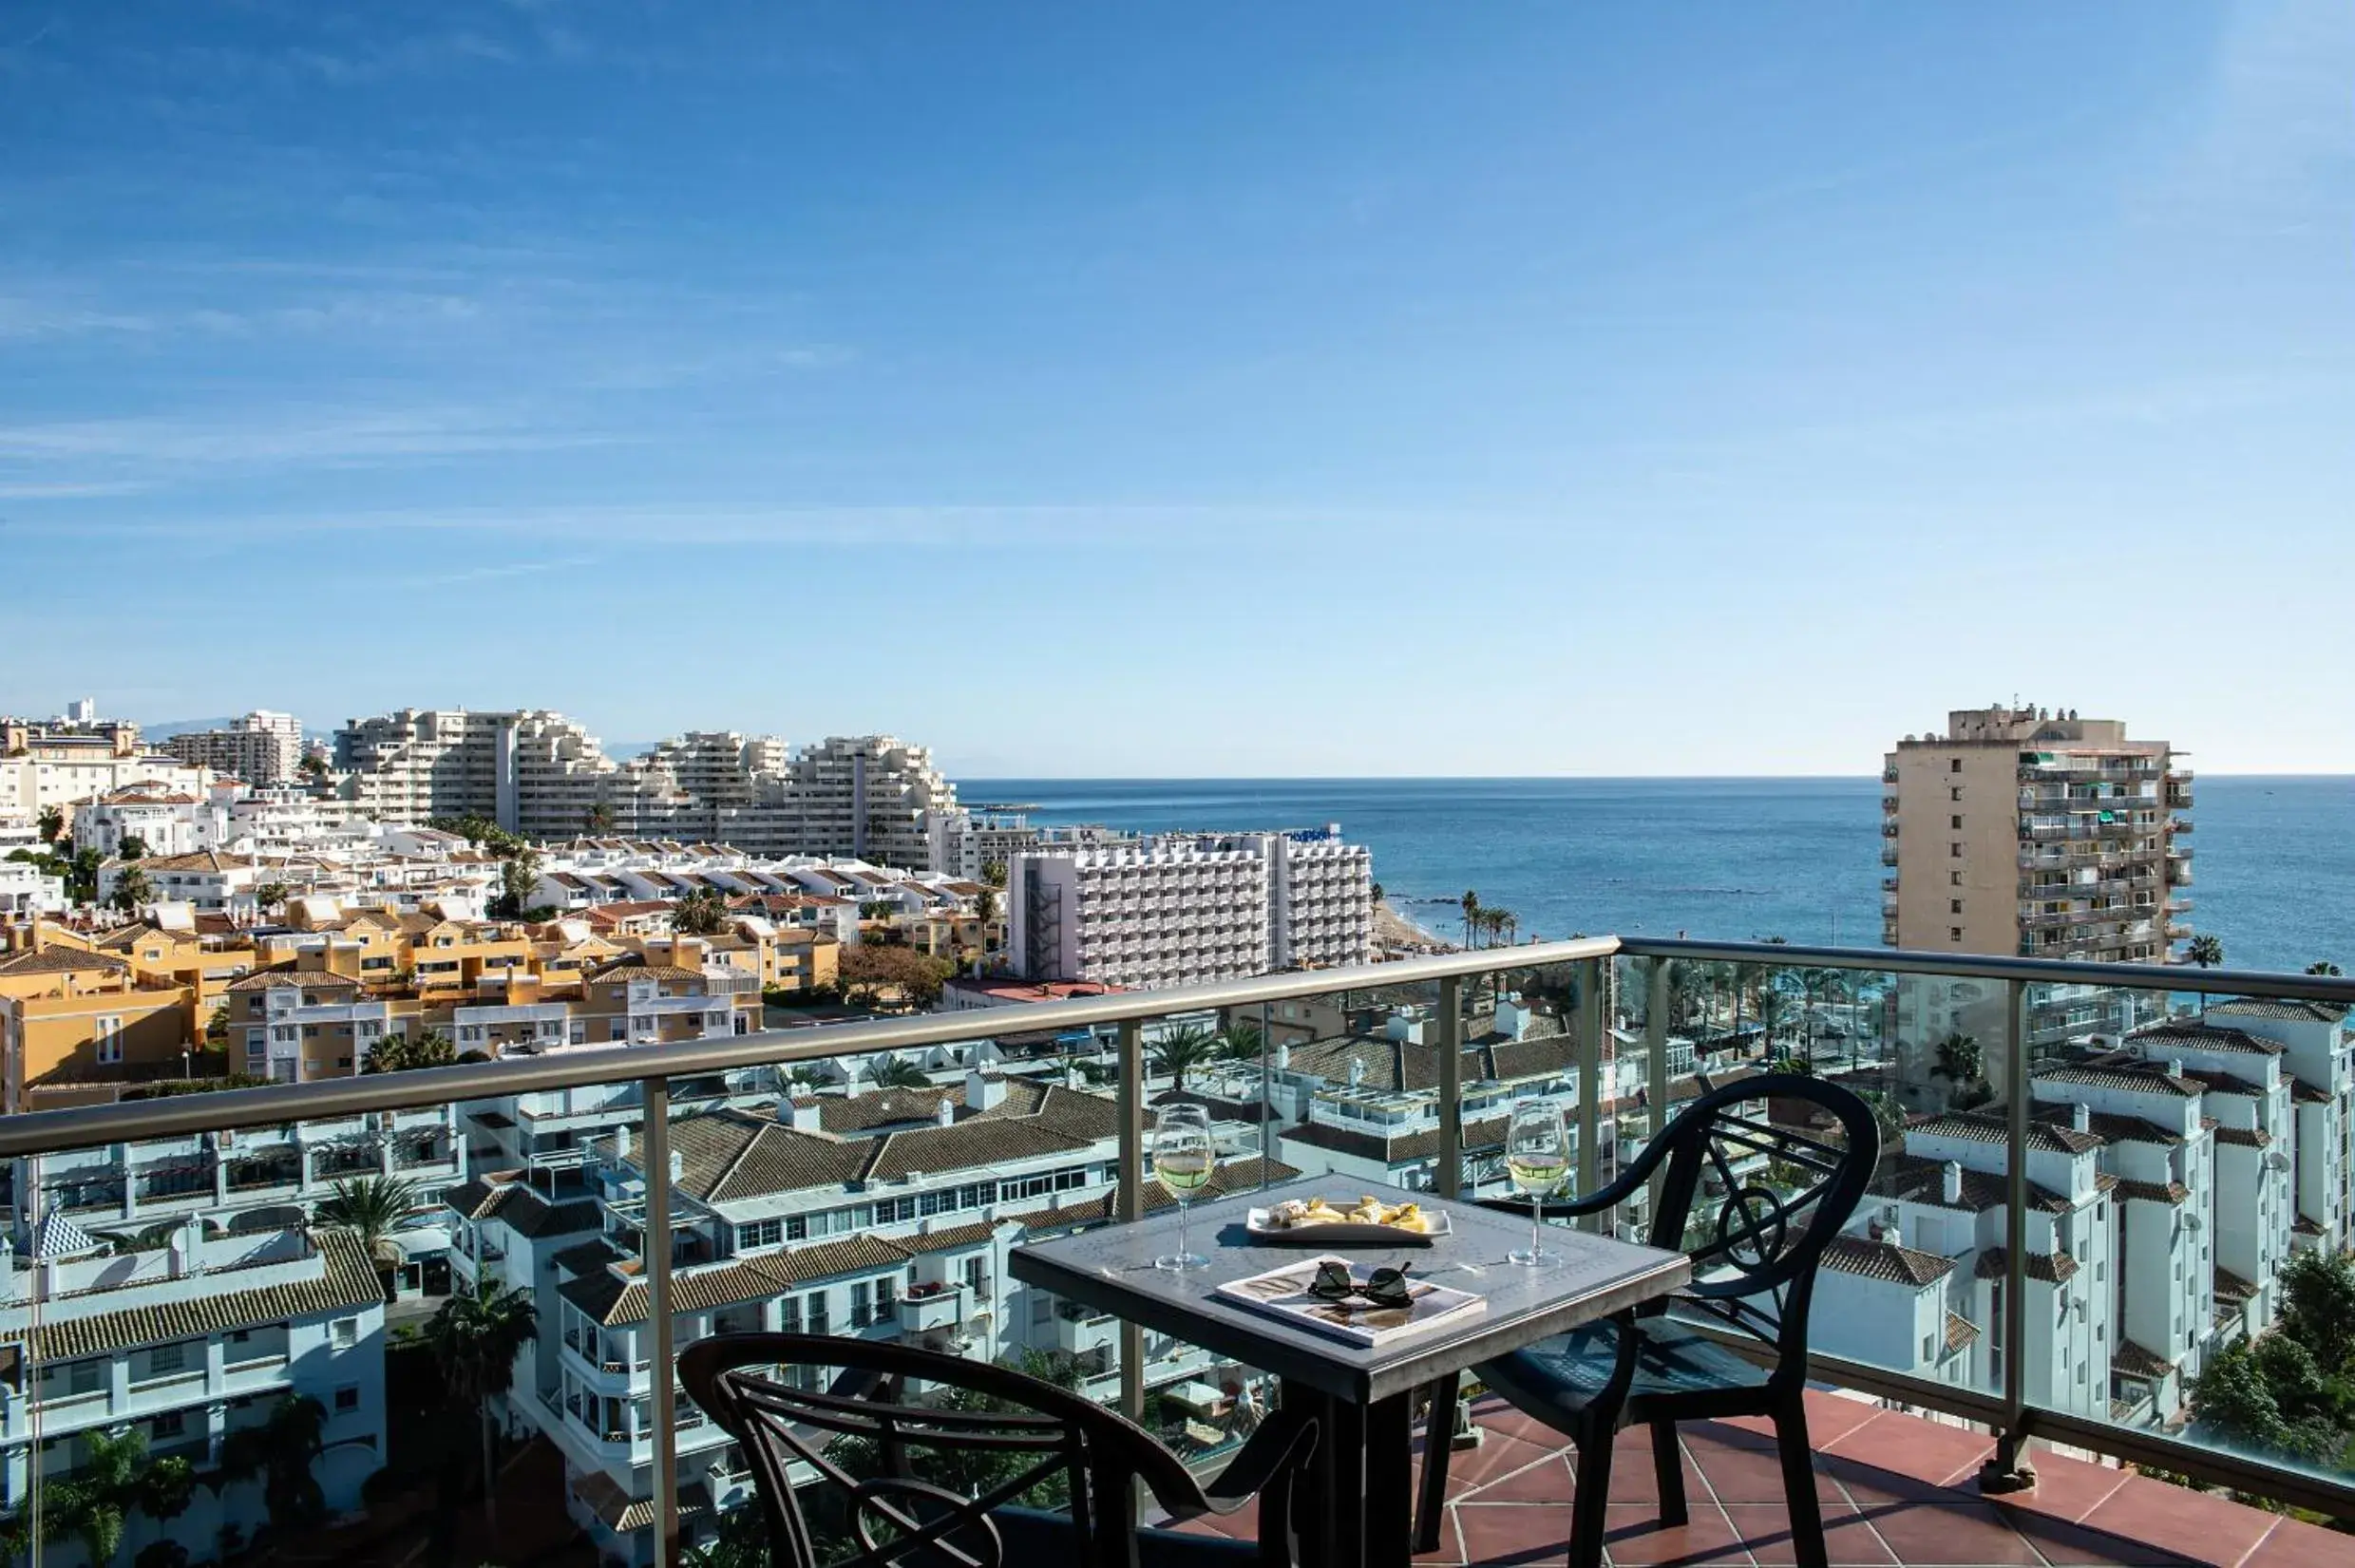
1183	1157
1538	1157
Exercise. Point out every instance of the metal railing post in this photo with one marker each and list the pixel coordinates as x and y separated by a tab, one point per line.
1590	1084
2006	1470
664	1378
1448	1176
1130	1200
1656	1090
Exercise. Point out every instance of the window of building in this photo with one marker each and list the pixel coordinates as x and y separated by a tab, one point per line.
1954	906
1955	851
1957	823
760	1233
1955	932
1954	765
164	1360
347	1398
344	1333
170	1424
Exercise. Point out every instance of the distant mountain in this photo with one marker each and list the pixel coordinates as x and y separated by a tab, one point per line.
163	729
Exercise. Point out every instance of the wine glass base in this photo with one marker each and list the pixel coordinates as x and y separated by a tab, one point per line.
1533	1257
1179	1262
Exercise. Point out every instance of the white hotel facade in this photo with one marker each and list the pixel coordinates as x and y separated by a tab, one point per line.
1184	908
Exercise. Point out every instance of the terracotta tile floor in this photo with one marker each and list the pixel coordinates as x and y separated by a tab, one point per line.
1897	1491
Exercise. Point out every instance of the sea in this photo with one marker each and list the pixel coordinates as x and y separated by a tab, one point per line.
2274	868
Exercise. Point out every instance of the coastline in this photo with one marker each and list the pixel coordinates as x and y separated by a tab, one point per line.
1395	934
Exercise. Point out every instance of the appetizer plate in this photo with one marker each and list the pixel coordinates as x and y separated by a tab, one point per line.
1263	1230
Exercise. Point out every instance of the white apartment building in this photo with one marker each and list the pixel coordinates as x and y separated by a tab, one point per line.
868	796
2155	1146
1186	909
1881	1302
883	1215
532	771
261	750
25	890
2318	1055
166	821
105	1342
967	841
64	771
1944	1195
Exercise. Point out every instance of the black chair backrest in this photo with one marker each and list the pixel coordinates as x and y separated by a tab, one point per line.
1755	1238
921	1479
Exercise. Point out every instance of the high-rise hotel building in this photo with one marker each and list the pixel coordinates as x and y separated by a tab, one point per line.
2022	831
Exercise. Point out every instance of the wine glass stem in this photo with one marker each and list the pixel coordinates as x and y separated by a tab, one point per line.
1537	1222
1181	1250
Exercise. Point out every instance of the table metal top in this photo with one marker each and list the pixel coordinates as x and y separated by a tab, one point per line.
1111	1269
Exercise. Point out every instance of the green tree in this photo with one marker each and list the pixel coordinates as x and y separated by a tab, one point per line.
370	1209
1960	1059
1182	1047
95	1503
132	889
133	847
742	1542
313	769
868	969
1471	902
2207	951
985	906
519	873
994	873
281	1450
271	895
598	821
166	1553
901	1073
2318	1308
2322	966
51	824
702	912
81	875
406	1053
1241	1041
476	1336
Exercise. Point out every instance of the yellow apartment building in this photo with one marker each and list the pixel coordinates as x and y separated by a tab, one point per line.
76	1026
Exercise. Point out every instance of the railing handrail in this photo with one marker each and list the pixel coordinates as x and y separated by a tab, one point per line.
584	1066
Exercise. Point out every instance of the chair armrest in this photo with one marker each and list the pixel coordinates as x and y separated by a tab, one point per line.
1284	1440
1606	1197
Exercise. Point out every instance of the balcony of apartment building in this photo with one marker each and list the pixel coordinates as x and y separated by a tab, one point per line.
1899	1443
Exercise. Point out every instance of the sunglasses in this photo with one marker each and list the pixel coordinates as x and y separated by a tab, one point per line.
1384	1287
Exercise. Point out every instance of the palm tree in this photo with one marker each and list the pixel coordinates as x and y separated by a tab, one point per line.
597	819
985	906
371	1210
1181	1048
1472	916
404	1052
702	912
96	1502
2322	966
132	888
281	1450
2207	951
53	824
1241	1041
1960	1060
132	847
901	1073
476	1336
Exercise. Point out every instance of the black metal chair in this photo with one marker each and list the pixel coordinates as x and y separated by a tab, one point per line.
951	1475
1753	1272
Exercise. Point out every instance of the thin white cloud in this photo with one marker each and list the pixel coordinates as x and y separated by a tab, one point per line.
295	436
493	574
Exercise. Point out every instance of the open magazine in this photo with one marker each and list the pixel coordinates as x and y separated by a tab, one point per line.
1284	1293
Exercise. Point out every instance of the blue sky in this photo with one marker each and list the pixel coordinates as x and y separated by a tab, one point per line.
1196	389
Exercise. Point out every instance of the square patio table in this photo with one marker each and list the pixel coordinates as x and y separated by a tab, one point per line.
1362	1513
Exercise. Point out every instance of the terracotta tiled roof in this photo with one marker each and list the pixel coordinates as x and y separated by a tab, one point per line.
62	960
1961	1330
950	1237
1885	1260
2202	1037
346	1282
2248	1138
2232	1287
2136	1360
2109	1127
282	976
2046	1137
2152	1192
2138	1081
2287	1012
2052	1267
1921	1180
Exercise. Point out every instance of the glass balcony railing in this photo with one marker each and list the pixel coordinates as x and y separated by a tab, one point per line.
2111	1206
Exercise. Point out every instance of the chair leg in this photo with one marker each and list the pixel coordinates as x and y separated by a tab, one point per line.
1590	1499
1799	1484
1438	1442
1668	1465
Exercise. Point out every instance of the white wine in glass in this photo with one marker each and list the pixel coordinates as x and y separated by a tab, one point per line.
1537	1158
1183	1157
